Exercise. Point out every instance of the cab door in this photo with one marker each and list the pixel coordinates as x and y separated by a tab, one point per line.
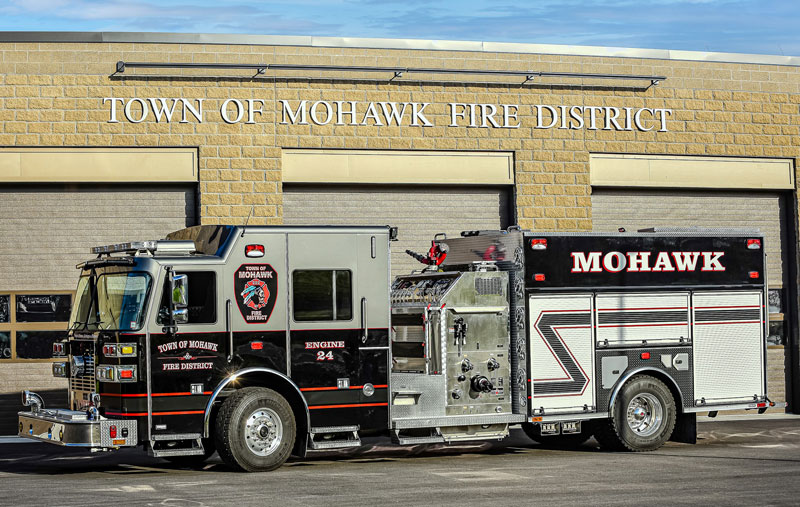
187	359
333	356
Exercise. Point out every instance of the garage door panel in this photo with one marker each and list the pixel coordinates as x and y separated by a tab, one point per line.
419	213
638	209
47	232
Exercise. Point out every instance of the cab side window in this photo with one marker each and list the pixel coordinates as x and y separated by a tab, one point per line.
322	295
202	298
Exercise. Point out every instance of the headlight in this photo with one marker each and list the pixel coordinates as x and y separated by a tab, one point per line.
60	369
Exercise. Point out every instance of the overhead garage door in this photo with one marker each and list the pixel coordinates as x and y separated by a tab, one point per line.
419	213
46	231
637	209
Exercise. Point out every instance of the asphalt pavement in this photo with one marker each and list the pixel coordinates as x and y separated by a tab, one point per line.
746	461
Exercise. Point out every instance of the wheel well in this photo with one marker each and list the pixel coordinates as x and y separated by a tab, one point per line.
658	374
289	392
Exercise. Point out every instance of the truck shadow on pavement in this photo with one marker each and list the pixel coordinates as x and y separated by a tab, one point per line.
735	441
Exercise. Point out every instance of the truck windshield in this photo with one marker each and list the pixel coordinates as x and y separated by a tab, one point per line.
110	301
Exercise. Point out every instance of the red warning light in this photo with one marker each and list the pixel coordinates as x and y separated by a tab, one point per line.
254	251
753	244
539	277
753	274
539	244
645	355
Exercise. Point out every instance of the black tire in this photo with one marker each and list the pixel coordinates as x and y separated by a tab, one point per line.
209	448
568	441
255	430
652	417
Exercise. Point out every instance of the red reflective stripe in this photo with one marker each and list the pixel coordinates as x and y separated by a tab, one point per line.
645	325
712	307
731	322
142	414
351	405
336	388
626	309
142	395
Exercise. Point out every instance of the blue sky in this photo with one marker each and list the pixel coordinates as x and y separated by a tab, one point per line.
739	26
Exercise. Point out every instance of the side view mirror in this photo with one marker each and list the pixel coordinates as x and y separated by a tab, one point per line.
180	290
180	315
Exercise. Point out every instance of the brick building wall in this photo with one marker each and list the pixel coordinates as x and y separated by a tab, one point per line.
51	95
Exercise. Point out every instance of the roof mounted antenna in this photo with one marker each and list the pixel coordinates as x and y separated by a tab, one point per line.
248	220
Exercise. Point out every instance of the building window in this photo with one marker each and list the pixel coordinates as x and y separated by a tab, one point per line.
202	298
320	295
30	322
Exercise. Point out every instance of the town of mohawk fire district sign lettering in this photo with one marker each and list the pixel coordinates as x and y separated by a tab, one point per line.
256	287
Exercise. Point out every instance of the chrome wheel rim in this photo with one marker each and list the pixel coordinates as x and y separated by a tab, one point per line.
645	414
263	431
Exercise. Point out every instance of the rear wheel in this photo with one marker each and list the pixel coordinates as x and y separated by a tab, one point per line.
563	441
643	417
255	430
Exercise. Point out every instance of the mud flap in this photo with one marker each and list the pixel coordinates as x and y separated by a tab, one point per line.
685	429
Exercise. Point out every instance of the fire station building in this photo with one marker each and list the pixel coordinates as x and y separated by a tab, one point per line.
112	137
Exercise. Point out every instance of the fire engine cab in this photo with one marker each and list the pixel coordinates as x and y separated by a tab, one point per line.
260	342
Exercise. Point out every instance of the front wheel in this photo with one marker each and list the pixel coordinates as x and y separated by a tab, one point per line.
255	430
643	417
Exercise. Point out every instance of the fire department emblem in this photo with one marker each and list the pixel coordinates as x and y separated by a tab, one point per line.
256	286
255	294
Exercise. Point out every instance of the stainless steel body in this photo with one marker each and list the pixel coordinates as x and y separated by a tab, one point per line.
459	378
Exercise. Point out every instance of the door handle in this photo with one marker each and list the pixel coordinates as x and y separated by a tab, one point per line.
229	329
364	325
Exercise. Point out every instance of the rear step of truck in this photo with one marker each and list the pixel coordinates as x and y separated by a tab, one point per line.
186	444
333	437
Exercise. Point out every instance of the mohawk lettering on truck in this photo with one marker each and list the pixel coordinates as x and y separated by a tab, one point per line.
624	337
632	262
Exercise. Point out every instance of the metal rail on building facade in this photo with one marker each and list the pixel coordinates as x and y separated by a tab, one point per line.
394	72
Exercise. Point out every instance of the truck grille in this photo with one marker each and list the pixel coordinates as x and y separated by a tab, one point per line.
86	382
82	386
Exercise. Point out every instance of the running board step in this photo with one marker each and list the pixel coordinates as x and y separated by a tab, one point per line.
161	447
427	436
333	437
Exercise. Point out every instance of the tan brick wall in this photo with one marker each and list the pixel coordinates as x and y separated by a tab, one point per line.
50	95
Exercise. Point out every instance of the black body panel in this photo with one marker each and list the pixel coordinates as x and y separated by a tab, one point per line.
571	261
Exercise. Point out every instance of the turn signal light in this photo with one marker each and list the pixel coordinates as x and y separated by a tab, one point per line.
256	345
254	250
112	432
645	355
115	373
753	244
539	244
119	349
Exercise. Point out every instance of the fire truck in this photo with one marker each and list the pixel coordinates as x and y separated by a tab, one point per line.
260	342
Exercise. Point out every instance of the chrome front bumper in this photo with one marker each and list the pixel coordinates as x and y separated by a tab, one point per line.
75	429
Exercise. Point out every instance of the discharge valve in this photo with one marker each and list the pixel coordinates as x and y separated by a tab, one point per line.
492	364
481	384
466	365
